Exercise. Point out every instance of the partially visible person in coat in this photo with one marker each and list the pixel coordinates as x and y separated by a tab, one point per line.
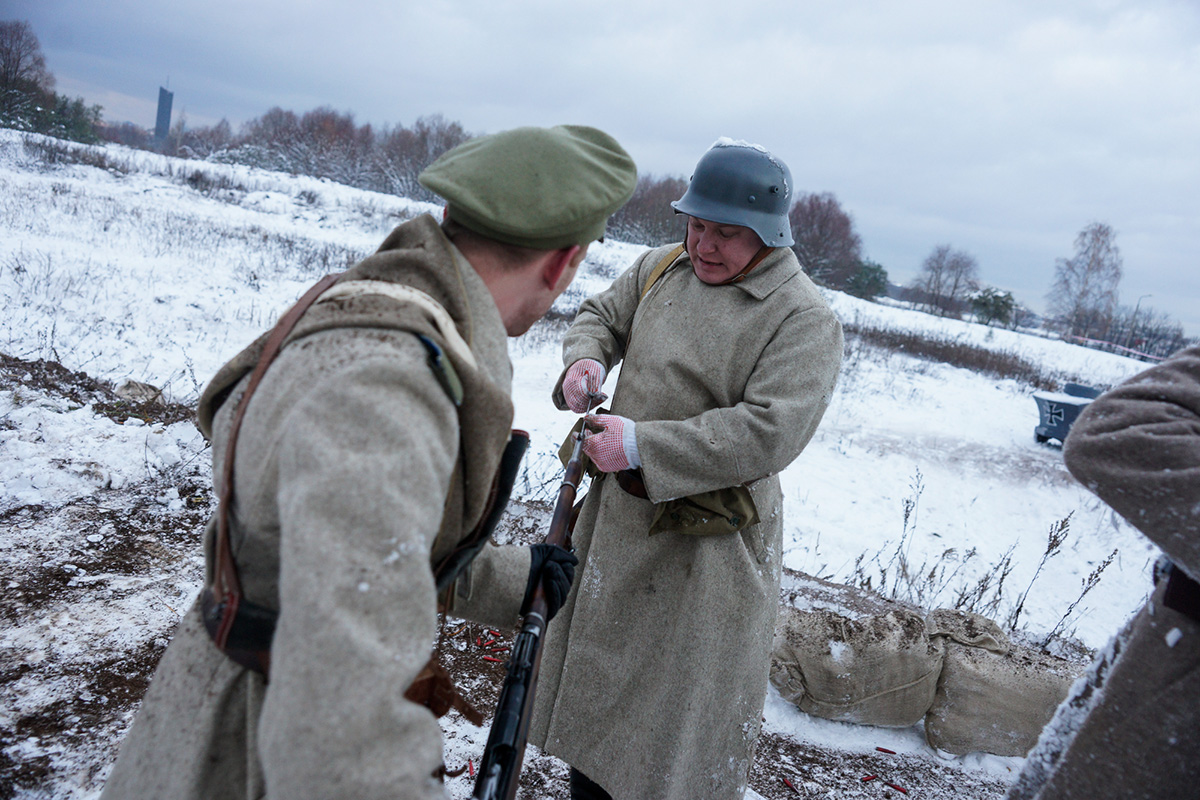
1131	727
655	672
366	453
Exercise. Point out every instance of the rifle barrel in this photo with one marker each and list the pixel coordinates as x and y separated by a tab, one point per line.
500	767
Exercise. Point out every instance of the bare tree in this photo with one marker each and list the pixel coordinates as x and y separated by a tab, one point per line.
403	153
204	142
1146	330
947	277
21	59
128	134
27	97
1084	293
23	74
826	244
271	141
332	146
275	127
1159	334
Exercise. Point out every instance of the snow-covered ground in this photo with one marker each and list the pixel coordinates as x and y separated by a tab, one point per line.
158	270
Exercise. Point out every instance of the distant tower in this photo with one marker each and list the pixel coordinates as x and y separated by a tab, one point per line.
163	126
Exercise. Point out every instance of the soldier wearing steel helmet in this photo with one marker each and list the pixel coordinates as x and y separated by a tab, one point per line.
367	458
655	671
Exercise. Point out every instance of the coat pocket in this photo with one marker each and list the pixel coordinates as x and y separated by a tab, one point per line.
719	511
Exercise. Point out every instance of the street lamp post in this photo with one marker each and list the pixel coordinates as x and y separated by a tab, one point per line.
1133	319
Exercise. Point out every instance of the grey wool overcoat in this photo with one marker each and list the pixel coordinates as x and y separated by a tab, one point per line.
655	670
1131	727
348	466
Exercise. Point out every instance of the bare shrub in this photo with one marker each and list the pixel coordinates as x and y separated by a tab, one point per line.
51	152
1054	543
995	363
1088	583
891	573
209	184
648	217
276	256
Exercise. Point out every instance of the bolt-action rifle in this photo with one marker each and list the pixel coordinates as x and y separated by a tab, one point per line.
500	767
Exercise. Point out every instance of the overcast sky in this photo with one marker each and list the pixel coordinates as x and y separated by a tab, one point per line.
999	128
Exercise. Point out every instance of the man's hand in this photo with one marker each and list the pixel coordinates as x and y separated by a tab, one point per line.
554	567
612	445
581	385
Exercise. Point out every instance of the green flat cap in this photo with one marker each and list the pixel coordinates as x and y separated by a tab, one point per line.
543	188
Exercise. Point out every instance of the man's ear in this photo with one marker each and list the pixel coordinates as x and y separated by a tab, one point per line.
556	263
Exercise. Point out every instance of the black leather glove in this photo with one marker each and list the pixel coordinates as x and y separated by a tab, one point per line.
554	567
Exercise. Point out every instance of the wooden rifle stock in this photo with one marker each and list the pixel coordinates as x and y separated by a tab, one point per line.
500	767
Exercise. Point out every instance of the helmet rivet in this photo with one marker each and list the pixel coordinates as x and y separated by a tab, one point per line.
752	198
774	190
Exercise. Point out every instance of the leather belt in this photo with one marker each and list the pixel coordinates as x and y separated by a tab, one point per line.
631	481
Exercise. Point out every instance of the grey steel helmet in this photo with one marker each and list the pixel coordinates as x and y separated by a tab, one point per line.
736	183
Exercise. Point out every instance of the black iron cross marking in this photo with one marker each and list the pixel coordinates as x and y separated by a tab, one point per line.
1054	414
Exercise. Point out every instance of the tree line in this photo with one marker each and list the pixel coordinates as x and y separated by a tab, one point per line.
325	143
1083	300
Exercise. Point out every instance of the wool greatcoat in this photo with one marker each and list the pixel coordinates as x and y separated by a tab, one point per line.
655	669
1131	727
348	465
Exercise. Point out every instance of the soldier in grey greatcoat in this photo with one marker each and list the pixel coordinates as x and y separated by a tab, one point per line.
367	452
1130	728
655	671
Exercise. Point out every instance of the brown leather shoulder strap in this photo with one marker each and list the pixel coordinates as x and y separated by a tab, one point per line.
659	269
227	587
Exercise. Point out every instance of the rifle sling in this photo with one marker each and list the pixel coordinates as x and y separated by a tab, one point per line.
451	566
226	590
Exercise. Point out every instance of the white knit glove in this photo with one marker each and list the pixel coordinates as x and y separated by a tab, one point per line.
613	447
581	385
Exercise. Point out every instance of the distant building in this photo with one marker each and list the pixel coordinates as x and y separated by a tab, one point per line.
163	126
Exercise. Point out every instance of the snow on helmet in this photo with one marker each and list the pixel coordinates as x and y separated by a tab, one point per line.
738	183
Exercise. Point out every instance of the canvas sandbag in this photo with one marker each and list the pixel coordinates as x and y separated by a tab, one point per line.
993	696
968	628
877	669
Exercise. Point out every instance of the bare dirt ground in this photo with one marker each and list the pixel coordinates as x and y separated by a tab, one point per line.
814	771
68	680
